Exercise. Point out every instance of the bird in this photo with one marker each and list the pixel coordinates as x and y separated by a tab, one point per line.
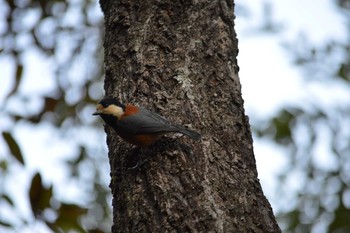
137	125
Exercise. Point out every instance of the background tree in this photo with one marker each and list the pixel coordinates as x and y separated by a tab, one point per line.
179	59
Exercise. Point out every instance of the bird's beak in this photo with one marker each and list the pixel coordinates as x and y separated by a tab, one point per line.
98	112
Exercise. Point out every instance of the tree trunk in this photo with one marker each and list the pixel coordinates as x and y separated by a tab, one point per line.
178	58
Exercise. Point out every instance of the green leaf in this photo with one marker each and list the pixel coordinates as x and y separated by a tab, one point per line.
3	165
13	146
68	217
282	125
344	71
71	211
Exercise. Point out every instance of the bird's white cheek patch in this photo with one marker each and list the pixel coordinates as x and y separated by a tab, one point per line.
99	107
114	110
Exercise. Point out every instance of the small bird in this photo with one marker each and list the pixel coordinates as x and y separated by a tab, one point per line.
136	125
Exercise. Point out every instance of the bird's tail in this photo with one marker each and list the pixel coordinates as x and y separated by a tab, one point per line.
192	134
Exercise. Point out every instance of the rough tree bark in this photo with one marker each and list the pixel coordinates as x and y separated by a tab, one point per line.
178	58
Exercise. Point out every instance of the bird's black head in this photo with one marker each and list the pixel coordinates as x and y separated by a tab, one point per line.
109	101
110	106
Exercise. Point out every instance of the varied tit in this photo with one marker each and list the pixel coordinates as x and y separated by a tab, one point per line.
137	125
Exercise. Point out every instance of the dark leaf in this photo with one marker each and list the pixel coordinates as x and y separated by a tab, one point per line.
5	224
7	199
39	196
50	104
19	72
14	148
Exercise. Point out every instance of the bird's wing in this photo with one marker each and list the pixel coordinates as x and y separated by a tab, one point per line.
148	122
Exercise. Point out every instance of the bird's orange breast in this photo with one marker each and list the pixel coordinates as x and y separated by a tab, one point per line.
142	140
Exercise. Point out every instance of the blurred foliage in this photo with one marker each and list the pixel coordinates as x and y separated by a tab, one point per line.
67	35
318	140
